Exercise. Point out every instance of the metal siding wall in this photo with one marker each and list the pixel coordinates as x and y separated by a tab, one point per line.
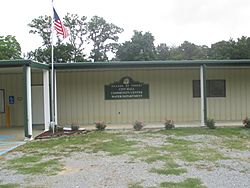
13	86
81	97
234	105
37	78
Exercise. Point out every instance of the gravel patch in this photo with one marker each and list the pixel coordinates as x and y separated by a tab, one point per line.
201	138
100	170
153	141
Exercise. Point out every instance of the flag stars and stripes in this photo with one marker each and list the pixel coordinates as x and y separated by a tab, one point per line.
59	27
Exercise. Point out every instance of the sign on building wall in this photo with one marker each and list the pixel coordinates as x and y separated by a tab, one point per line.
11	100
126	88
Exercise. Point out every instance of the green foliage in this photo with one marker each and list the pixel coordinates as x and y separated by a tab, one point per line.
42	27
34	165
246	122
37	154
135	185
231	49
170	167
188	183
104	36
169	124
162	52
9	48
94	141
189	51
210	123
78	35
187	151
63	52
9	185
169	171
138	125
97	32
140	48
116	146
100	125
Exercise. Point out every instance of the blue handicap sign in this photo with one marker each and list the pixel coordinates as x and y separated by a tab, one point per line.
11	100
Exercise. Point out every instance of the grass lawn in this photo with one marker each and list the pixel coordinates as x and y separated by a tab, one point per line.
188	145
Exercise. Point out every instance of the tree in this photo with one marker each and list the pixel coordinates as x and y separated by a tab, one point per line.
104	37
189	51
241	48
221	50
162	52
9	48
42	27
63	52
78	34
140	48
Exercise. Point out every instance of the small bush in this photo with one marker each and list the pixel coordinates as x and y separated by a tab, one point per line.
210	123
100	125
246	122
138	125
74	127
59	128
169	124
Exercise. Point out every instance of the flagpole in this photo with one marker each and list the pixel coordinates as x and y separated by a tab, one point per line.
52	71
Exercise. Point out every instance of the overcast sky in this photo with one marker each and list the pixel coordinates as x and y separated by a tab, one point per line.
170	21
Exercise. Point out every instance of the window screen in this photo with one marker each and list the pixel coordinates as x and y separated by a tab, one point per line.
214	88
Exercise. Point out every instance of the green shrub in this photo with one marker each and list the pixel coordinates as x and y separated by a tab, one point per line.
138	125
100	125
74	127
246	122
59	128
169	124
210	123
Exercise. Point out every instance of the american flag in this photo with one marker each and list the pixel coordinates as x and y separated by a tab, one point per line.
59	27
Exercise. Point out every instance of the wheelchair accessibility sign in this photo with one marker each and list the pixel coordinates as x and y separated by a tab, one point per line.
11	100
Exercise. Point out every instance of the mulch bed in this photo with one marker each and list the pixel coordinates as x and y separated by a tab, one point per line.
49	134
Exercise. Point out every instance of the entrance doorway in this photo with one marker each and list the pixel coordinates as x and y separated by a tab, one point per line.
37	105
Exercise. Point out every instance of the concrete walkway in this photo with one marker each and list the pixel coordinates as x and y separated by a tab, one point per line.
161	125
11	138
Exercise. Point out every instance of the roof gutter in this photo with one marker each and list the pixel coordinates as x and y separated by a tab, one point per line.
21	63
152	64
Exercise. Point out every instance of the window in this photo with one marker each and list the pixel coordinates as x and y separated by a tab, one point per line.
2	102
214	88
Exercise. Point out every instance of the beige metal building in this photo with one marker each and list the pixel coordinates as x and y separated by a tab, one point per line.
122	92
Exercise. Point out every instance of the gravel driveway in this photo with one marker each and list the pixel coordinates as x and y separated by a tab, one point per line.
86	169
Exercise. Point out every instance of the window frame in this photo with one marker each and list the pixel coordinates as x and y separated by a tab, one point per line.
209	88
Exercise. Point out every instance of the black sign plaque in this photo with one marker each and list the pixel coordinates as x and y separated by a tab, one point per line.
126	88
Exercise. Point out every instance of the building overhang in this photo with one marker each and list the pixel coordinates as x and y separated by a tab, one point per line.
151	64
8	65
21	63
